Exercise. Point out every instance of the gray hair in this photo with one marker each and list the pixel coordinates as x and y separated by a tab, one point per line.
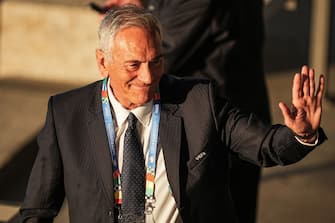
126	16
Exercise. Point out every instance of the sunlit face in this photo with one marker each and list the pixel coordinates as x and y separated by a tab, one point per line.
136	67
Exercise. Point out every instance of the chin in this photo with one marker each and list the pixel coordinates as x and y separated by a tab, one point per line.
142	99
142	102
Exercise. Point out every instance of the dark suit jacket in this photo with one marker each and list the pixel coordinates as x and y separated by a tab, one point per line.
196	132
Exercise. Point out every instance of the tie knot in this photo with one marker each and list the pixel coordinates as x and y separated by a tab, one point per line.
132	120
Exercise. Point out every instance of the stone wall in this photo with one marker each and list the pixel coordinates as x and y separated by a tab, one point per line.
48	42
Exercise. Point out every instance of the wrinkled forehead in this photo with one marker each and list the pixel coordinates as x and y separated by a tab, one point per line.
153	32
150	36
134	43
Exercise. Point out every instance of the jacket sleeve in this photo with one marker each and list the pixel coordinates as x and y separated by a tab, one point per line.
45	192
255	141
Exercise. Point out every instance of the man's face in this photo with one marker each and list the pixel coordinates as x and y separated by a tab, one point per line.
136	66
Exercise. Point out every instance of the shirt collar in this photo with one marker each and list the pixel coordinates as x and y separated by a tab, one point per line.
142	113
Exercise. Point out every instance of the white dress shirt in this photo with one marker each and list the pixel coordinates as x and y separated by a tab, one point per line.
165	207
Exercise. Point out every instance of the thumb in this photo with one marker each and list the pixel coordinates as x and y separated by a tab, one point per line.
286	113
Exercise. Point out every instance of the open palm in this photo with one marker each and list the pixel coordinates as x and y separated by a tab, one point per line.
304	117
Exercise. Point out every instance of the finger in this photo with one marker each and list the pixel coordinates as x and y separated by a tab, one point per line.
311	82
296	88
319	92
305	81
304	69
286	113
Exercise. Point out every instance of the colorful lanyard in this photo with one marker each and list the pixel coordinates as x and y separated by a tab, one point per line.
153	143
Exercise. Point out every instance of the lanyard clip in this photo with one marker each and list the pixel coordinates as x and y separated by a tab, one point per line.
119	213
149	205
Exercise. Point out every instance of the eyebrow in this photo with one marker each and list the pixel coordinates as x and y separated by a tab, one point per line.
136	61
157	57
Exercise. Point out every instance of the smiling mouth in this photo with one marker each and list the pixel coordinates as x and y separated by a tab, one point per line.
140	87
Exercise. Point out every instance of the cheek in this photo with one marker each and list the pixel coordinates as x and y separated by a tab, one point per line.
121	78
119	84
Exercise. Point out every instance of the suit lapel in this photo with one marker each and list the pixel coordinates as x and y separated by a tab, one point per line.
99	144
170	139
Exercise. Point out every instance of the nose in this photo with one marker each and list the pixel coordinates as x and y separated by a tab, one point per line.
145	74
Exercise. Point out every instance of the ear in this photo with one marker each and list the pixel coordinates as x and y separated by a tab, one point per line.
101	59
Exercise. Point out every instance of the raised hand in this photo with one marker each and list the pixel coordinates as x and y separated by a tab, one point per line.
304	116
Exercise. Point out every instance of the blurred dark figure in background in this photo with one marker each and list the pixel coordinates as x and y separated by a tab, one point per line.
222	41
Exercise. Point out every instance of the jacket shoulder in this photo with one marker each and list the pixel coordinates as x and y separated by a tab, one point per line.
79	92
76	101
78	95
174	89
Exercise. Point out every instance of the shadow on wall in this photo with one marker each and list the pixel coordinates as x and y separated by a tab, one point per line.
14	175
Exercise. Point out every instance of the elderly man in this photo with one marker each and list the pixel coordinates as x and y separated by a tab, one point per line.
222	41
143	146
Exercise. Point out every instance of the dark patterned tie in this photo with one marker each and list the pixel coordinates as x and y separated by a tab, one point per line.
133	175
